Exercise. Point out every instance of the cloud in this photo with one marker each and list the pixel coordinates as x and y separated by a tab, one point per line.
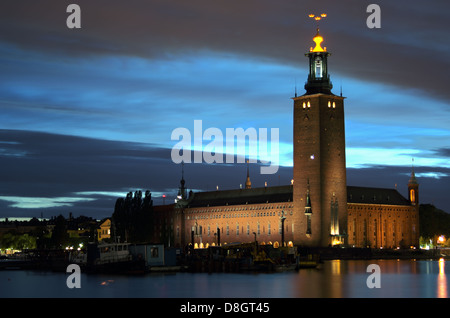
410	33
88	113
41	203
86	173
63	173
445	152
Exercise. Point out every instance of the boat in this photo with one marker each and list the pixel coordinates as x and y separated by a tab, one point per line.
108	257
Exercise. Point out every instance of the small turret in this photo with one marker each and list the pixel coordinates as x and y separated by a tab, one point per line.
308	208
182	189
413	188
248	183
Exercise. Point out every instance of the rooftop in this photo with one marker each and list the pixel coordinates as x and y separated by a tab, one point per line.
362	195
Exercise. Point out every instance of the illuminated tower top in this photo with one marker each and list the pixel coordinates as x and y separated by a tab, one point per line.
318	39
318	78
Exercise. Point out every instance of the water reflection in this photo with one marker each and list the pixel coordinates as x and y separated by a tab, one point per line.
333	279
399	278
442	280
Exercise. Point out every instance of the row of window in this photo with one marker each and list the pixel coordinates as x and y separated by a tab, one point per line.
198	229
235	215
245	208
389	215
380	208
395	231
275	244
330	104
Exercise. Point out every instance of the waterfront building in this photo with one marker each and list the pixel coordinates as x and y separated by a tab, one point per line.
104	230
317	209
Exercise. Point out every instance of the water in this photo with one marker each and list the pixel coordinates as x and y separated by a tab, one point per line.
343	279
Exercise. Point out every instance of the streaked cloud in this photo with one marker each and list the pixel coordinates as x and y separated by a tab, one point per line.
23	202
88	114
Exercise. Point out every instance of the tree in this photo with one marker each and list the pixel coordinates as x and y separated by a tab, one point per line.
60	237
132	217
17	241
433	221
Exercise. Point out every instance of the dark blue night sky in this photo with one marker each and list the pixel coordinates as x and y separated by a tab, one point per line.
87	114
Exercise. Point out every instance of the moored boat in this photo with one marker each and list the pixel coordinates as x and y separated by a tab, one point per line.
108	257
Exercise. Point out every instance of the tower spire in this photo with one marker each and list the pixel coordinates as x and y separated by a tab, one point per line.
413	187
182	190
308	209
413	179
248	183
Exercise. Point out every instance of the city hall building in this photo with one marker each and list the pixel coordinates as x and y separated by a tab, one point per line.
317	209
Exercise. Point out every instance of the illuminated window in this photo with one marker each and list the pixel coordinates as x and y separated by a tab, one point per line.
319	67
304	105
309	104
334	105
412	194
329	104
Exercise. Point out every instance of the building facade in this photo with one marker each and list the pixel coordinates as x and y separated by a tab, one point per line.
318	209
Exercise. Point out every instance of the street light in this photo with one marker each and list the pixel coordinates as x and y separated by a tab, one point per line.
282	218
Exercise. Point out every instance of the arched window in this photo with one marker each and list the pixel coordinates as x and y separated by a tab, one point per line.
412	195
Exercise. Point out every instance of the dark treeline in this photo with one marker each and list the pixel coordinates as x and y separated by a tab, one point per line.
433	221
132	218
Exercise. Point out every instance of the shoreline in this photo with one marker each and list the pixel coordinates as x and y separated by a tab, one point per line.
319	255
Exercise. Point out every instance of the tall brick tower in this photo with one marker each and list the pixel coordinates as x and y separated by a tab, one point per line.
413	196
320	187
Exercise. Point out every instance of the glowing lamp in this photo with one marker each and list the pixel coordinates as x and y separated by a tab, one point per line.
336	242
318	39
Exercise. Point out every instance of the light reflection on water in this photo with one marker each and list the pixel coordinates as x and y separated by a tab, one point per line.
333	279
442	280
